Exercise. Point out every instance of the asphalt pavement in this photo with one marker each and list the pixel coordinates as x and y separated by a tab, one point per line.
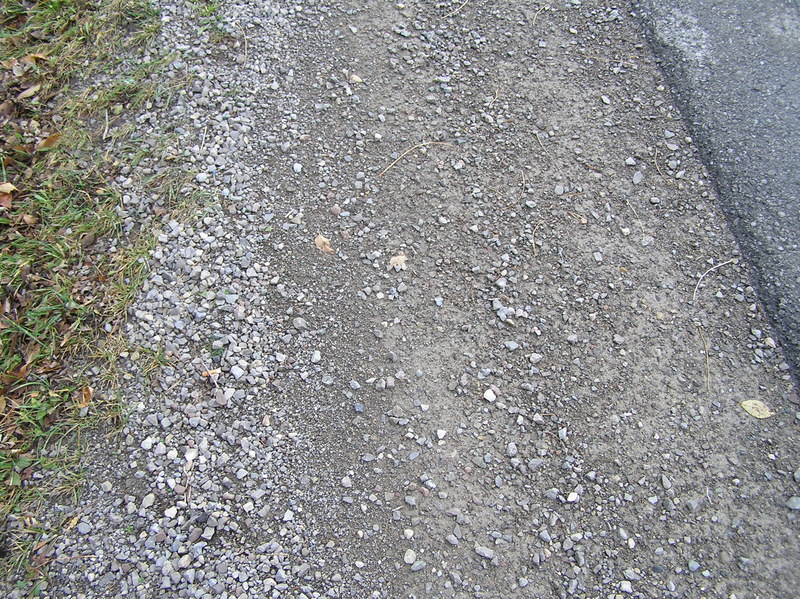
735	70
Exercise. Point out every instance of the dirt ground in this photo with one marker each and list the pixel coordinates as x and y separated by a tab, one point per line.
534	329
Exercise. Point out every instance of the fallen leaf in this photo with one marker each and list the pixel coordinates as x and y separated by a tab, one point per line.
72	523
398	262
31	58
30	219
86	397
2	404
757	408
7	188
5	201
324	244
50	141
29	92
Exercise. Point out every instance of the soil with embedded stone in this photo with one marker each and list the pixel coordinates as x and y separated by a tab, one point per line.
479	326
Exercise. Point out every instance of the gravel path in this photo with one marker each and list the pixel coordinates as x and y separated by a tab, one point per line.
507	363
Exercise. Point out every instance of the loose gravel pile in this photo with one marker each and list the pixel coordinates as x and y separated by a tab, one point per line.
508	362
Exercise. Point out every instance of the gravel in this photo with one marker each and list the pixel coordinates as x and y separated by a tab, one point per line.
528	404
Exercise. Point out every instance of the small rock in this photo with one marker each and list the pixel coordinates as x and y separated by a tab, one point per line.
489	395
535	358
410	556
418	565
484	552
793	503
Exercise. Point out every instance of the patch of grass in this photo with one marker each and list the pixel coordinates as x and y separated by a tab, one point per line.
70	72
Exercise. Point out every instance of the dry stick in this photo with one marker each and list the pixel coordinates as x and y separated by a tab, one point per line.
546	153
708	361
411	149
658	167
696	287
536	15
533	236
456	11
639	220
496	95
105	130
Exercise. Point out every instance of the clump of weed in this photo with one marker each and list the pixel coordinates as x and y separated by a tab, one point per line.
67	75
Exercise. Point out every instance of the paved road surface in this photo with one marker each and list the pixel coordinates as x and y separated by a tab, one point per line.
736	66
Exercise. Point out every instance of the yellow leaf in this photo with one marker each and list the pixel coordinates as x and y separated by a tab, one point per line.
30	219
7	188
757	408
324	244
29	92
398	262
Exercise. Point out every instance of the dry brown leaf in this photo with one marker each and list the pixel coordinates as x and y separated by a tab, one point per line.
50	141
29	92
398	262
30	219
86	397
757	408
73	523
32	58
5	201
2	404
7	188
324	244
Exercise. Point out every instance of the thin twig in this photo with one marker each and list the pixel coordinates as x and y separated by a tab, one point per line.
696	287
244	35
536	15
658	167
496	95
533	236
708	361
456	11
641	226
539	139
105	130
411	149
